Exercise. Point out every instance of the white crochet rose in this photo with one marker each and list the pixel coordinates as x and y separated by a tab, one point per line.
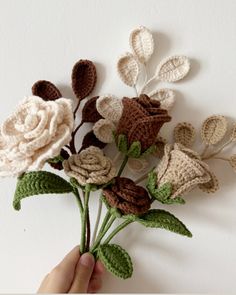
34	133
90	167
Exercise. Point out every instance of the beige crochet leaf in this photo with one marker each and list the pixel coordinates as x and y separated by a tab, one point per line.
184	133
110	107
232	161
173	68
214	129
160	146
137	165
165	96
233	134
103	130
142	44
128	69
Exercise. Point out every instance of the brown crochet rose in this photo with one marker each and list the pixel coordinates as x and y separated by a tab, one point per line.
141	120
125	195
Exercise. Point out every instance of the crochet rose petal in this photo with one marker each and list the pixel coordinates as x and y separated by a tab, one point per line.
146	130
128	197
46	90
84	78
90	167
35	133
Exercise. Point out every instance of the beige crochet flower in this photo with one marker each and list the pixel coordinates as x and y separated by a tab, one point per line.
185	170
34	133
90	167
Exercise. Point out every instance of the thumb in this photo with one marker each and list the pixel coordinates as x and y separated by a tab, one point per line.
83	273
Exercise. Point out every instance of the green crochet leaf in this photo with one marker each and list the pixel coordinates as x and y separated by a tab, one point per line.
122	143
116	260
149	151
152	180
134	150
163	193
158	218
56	159
176	200
39	182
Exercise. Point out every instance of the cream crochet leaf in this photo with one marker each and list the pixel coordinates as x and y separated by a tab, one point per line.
142	44
128	69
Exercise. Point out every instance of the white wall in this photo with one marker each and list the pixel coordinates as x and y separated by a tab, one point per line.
42	40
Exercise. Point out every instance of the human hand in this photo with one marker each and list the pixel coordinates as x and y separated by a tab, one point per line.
74	274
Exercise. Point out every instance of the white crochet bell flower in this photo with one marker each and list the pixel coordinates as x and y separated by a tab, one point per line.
34	133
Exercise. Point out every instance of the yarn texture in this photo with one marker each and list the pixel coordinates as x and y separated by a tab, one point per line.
90	167
34	133
182	168
141	120
128	197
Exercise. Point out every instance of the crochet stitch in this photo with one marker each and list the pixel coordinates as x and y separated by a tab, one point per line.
128	197
46	90
141	120
182	168
90	167
34	133
84	78
42	130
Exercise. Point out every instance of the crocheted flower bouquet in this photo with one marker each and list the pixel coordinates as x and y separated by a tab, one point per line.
43	130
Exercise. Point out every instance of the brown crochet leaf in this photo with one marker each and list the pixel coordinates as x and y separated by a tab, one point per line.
233	134
89	112
232	161
214	129
91	140
184	133
46	90
84	78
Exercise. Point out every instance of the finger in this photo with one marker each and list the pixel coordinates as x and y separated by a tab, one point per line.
83	273
99	268
95	284
61	277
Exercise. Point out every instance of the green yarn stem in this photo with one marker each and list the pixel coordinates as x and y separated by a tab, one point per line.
107	222
78	200
126	158
116	230
84	219
97	221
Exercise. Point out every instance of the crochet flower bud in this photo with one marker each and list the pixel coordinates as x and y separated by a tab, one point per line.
34	133
128	197
141	120
184	169
90	166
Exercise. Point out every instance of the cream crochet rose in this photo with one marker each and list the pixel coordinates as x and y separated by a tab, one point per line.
34	133
90	167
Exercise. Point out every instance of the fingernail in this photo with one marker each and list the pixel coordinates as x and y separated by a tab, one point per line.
87	259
